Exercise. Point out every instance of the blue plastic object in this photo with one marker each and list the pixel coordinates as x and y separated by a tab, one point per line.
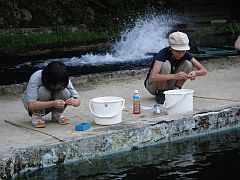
82	127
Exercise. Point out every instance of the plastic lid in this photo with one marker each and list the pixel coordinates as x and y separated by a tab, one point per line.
82	126
136	91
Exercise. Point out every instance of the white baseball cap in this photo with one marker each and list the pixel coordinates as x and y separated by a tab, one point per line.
179	41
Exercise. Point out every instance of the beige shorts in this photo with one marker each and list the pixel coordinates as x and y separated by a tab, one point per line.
45	95
186	66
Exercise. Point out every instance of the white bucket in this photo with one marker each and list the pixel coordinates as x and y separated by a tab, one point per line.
107	110
178	101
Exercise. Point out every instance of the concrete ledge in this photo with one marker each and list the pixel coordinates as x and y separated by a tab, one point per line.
86	80
83	81
118	138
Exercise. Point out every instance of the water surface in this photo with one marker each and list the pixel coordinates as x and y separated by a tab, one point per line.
213	156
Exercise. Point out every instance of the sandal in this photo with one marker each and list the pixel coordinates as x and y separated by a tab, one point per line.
63	121
38	123
60	118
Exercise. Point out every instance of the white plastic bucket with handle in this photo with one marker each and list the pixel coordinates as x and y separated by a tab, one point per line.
178	101
107	110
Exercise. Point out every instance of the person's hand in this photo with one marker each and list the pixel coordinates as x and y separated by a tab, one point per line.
180	75
58	104
71	101
192	75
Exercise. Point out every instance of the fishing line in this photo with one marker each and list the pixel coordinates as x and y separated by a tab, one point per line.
202	97
73	147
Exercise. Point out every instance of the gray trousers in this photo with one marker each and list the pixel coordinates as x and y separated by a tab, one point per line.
45	95
186	66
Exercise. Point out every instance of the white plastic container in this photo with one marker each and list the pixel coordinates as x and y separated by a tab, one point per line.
107	110
178	101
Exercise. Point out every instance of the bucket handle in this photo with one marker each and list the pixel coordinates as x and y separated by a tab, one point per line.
90	108
173	105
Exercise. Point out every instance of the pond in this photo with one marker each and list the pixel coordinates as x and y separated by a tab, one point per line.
214	155
146	36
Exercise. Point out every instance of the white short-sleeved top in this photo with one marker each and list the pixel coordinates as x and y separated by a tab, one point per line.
31	92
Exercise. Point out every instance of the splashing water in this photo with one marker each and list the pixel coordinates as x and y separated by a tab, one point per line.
149	34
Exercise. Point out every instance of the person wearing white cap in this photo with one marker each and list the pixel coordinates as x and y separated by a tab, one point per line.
172	66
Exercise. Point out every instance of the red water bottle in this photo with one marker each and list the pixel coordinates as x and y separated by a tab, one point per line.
136	103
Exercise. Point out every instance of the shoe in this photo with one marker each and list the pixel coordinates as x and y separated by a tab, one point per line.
60	118
160	97
38	122
176	87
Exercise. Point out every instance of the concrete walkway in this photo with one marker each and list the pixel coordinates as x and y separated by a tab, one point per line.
216	92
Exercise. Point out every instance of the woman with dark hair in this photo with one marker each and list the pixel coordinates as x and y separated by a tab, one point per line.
49	90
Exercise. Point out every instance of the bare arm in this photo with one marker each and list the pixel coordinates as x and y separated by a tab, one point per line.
237	43
46	104
155	76
73	102
55	103
201	70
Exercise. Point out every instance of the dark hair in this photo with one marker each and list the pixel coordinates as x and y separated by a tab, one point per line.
55	73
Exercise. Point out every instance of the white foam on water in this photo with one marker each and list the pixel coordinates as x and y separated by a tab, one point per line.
148	34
